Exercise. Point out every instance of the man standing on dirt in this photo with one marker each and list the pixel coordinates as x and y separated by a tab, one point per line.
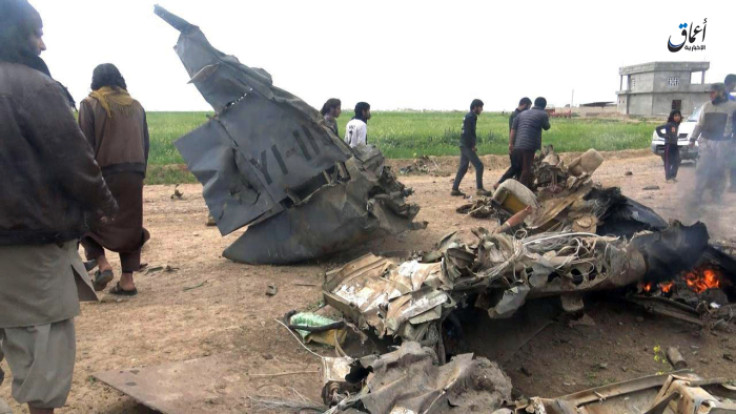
469	152
715	130
356	131
730	83
514	170
50	179
526	138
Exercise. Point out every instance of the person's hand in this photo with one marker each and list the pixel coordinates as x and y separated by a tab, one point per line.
511	148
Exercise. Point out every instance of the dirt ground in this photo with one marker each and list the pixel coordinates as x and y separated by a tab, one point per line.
211	305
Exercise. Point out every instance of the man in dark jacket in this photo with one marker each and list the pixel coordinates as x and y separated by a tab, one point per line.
524	104
50	181
469	152
514	170
526	138
714	131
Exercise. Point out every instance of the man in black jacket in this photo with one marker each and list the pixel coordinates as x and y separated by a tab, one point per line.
469	152
50	182
526	138
514	170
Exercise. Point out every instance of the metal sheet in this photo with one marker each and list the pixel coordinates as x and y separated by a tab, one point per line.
217	383
268	160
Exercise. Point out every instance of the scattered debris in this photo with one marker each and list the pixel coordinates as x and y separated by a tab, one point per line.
165	268
499	273
211	222
317	328
410	380
187	288
177	194
675	358
268	161
272	290
481	208
629	173
422	165
651	188
678	393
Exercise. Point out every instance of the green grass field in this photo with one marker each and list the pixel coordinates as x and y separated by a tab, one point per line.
412	134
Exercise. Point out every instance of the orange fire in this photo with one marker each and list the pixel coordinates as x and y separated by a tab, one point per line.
702	281
646	286
666	287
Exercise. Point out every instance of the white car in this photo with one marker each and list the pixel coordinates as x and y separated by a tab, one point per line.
683	138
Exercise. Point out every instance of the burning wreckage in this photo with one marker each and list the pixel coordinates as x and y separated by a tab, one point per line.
569	238
267	160
566	239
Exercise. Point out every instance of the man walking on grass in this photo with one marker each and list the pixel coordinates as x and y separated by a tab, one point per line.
526	138
469	152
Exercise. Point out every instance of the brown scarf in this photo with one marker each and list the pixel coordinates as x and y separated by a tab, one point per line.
113	99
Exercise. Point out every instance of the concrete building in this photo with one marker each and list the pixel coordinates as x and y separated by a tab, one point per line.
656	88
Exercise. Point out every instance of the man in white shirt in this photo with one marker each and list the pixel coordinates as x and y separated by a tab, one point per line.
356	131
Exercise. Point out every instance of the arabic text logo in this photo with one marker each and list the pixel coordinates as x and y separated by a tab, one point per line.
695	33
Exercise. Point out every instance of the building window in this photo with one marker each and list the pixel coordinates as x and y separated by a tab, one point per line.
673	82
676	105
633	82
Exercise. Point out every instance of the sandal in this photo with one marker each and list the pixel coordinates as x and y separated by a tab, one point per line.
102	278
118	290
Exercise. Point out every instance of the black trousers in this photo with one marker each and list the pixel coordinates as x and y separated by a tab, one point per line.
514	170
467	156
521	169
671	161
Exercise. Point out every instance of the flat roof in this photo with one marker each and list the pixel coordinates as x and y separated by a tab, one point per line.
664	67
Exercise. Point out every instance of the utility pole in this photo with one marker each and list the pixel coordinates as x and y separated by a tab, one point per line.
572	98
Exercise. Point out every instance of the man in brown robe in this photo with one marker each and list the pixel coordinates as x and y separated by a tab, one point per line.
115	126
50	181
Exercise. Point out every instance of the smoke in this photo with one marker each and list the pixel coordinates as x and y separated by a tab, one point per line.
703	197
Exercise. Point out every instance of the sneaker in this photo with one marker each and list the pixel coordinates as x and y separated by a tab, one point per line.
457	193
483	192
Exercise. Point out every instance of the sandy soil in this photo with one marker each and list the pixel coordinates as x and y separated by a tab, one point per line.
230	311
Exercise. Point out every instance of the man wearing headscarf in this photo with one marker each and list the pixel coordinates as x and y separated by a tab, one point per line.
715	131
116	128
50	181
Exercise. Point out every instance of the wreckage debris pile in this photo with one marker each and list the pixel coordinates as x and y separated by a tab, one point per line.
411	380
268	161
568	238
567	242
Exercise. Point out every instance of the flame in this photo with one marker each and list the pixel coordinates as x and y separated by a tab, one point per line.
702	281
646	287
666	287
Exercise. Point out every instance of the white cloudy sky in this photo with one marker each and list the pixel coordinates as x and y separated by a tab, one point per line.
393	54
